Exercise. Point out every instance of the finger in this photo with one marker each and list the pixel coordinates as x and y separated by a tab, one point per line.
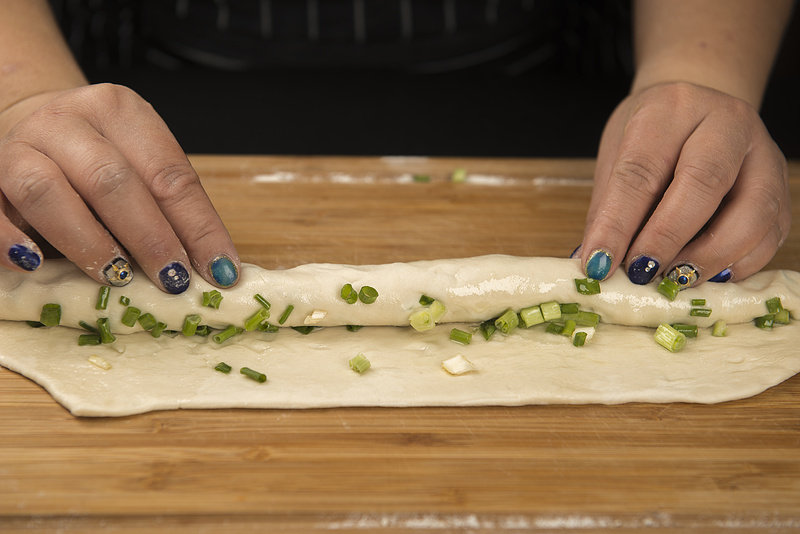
708	166
755	260
39	191
21	253
170	178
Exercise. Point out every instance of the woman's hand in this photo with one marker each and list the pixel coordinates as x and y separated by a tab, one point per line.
688	183
96	172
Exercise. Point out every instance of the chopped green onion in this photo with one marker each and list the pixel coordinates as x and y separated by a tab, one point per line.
104	329
229	332
268	327
669	288
531	316
130	316
86	326
698	302
190	324
34	324
124	300
720	329
421	320
569	328
97	361
458	365
765	321
587	286
425	300
261	300
550	311
368	294
688	330
424	178
88	339
359	363
286	313
305	330
554	328
102	298
147	321
252	322
586	318
51	315
437	310
700	312
459	336
669	338
580	339
488	329
570	307
353	327
203	330
459	175
348	294
253	375
212	299
507	322
158	329
782	317
774	305
223	367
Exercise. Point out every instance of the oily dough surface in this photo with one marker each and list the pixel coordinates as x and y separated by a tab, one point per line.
622	363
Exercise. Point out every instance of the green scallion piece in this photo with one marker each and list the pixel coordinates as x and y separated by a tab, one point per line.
531	316
569	307
229	332
507	322
223	367
203	330
50	315
554	328
587	286
212	299
305	330
86	326
782	317
774	305
190	324
367	294
488	329
425	300
669	338
268	327
359	363
688	330
669	288
569	328
147	321
104	329
580	339
158	329
765	321
253	375
698	302
700	312
130	316
34	324
551	311
437	310
252	322
348	294
460	336
124	300
421	320
88	339
422	178
286	313
459	175
720	329
261	300
586	318
353	327
102	298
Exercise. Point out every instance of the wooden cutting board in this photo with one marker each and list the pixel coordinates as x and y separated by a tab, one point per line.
674	467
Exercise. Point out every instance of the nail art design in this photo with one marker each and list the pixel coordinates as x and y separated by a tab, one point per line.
722	276
599	265
223	271
118	272
24	257
642	270
174	278
684	275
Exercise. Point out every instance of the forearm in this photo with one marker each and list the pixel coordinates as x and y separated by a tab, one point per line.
34	58
728	45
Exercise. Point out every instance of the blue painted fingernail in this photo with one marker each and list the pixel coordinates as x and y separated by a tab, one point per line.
223	270
174	278
642	270
599	265
722	276
685	275
118	272
572	255
24	257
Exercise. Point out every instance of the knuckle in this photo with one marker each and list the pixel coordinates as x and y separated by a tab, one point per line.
641	173
172	181
708	177
31	188
105	179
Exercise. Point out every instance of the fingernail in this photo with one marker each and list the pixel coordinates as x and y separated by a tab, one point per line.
174	278
642	270
24	257
598	265
722	276
223	271
118	272
572	255
684	275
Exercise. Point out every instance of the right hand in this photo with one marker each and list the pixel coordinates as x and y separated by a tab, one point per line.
97	173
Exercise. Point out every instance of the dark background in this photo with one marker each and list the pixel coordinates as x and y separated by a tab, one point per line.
537	80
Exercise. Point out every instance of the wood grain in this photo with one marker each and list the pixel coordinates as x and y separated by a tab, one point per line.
672	467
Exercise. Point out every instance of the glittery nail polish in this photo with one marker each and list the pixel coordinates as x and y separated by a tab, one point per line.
24	257
174	278
684	275
722	276
599	265
118	272
223	271
642	270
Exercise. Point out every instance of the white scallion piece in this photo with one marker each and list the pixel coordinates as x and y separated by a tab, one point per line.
458	365
589	332
97	361
315	317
